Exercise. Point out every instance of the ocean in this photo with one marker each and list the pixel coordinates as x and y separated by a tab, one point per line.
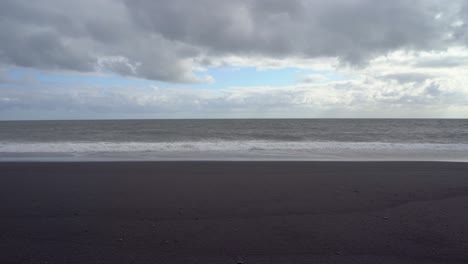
235	139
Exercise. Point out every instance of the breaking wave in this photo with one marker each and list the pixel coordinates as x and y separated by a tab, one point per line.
249	148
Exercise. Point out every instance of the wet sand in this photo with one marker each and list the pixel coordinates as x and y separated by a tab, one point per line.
234	212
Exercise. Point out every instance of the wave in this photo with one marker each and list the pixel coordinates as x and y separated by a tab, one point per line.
220	146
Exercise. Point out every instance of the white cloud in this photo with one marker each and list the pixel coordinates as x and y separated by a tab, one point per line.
164	40
372	97
314	78
398	58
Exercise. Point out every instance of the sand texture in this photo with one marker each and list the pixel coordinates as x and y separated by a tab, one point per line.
234	212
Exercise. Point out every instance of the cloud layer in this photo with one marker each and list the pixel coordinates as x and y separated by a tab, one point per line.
397	56
167	40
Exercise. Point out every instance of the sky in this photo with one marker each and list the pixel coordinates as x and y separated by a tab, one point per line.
112	59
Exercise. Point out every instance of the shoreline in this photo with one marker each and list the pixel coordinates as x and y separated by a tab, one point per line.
247	161
218	157
231	211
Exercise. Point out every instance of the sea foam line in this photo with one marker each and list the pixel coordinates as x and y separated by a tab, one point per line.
220	146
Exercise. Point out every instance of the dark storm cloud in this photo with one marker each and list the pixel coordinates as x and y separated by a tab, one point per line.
42	50
352	30
160	39
87	36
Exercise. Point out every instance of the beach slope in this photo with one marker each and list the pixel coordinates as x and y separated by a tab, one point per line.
234	212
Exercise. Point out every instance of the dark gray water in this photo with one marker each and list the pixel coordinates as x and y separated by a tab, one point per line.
314	139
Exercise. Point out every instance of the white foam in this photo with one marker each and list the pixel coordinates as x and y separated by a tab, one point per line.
252	145
251	149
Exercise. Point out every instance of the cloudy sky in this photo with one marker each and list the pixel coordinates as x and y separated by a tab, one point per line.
64	59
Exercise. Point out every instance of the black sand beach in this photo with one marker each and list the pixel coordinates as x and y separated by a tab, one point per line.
234	212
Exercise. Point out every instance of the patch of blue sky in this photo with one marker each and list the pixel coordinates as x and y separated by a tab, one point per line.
224	77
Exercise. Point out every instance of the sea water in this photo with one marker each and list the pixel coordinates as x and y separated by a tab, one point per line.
236	139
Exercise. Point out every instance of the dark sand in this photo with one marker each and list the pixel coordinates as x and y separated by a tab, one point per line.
234	212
